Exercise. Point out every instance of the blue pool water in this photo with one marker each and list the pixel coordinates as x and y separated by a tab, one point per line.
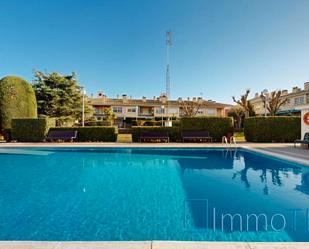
151	194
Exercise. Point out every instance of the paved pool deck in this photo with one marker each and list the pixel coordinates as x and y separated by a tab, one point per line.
283	151
151	245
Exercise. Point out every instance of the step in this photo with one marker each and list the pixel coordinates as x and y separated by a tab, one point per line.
124	138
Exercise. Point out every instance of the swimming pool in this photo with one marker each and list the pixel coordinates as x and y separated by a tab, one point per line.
120	194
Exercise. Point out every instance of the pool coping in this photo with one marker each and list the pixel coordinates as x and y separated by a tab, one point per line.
150	245
277	155
154	244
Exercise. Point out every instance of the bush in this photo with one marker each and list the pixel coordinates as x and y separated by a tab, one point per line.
272	129
174	132
17	100
31	129
92	133
216	126
99	123
7	135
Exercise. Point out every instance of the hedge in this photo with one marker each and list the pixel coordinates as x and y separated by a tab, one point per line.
93	133
17	100
174	132
98	123
216	126
31	129
272	129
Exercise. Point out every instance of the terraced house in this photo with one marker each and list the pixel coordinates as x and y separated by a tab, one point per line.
296	99
125	107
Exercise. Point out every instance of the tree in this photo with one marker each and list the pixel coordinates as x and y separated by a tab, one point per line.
245	104
273	101
190	108
251	110
59	96
237	112
109	116
17	100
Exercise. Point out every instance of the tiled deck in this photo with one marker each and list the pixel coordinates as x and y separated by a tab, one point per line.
284	151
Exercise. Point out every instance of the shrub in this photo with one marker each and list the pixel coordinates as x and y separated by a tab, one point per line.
17	100
99	123
93	133
272	129
216	126
7	135
174	132
31	129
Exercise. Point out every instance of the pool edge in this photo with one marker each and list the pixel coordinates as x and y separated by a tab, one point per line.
151	245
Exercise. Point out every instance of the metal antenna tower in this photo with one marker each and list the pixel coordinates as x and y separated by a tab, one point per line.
168	71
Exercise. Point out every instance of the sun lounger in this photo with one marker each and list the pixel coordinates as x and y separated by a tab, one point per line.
154	136
303	141
199	136
61	135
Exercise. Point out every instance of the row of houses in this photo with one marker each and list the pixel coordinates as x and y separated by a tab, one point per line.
295	100
125	107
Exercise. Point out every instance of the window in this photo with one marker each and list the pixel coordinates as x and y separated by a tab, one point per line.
200	111
211	111
132	109
160	110
173	110
117	109
299	100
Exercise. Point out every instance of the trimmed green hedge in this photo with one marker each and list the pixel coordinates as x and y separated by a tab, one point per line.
216	126
98	123
174	132
17	100
31	129
93	133
272	129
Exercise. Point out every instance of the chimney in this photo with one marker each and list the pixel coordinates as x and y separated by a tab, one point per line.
188	98
124	98
306	86
194	99
100	94
284	92
163	98
295	89
179	99
144	99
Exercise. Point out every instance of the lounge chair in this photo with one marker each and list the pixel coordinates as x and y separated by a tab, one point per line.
61	135
304	141
196	136
154	136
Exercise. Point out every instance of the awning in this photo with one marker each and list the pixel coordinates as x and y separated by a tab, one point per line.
287	112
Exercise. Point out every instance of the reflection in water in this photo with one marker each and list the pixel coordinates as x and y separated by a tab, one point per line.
304	186
269	186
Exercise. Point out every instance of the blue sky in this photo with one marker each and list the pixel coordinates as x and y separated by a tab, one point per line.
220	48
